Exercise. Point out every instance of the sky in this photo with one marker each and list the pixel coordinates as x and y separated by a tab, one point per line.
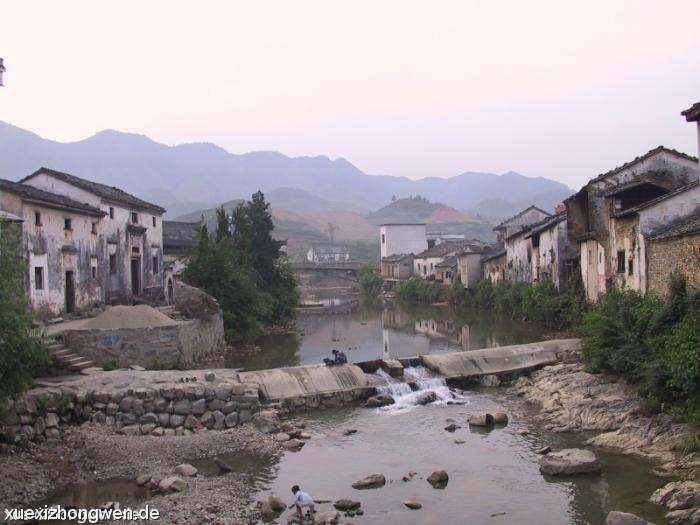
559	89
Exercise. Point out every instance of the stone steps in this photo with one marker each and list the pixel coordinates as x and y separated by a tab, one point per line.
66	358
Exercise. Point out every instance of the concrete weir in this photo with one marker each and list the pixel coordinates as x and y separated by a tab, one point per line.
279	384
462	366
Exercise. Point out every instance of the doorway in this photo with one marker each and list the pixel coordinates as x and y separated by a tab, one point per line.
171	291
135	276
70	292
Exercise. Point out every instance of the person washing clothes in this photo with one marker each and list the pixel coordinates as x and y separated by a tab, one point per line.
339	358
301	500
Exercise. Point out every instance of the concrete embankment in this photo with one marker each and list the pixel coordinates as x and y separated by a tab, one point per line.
462	366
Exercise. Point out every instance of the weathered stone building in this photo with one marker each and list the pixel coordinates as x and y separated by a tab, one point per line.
553	257
470	266
402	238
493	265
131	252
62	243
674	248
516	223
424	263
609	217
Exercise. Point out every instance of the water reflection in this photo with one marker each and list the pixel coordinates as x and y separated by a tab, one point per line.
394	330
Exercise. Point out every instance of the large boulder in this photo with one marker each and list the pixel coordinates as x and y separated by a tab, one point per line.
616	517
272	507
438	479
481	420
172	484
678	495
426	397
373	481
266	421
413	505
569	462
684	517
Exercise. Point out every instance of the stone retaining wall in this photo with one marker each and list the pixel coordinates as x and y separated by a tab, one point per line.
173	410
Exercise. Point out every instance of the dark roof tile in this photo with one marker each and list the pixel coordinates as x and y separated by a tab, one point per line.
32	194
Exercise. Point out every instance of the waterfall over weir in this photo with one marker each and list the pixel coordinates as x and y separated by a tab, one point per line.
416	380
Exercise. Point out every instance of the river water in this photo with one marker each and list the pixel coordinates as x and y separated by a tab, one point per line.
494	476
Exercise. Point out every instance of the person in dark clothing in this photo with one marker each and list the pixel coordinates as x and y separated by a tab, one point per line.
339	358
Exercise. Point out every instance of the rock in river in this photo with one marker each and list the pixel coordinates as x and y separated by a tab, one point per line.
346	504
413	505
380	400
327	518
568	462
172	484
373	481
678	495
426	397
438	479
481	420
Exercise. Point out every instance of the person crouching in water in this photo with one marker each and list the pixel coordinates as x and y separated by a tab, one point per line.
339	358
302	499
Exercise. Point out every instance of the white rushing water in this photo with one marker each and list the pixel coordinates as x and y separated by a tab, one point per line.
405	397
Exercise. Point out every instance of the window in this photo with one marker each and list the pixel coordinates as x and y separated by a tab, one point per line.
155	265
621	261
113	263
37	218
94	228
67	224
94	272
630	267
383	239
154	222
111	212
38	277
134	217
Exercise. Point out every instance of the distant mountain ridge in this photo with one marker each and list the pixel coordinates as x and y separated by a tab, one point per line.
189	176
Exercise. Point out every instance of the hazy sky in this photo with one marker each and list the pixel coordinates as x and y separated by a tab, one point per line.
554	88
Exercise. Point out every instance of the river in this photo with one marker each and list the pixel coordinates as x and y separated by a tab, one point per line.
494	476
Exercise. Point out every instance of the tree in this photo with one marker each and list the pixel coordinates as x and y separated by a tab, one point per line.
264	250
22	349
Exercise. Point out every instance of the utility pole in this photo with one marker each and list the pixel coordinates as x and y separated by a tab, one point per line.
331	228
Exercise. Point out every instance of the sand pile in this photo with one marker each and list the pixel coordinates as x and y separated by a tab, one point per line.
140	316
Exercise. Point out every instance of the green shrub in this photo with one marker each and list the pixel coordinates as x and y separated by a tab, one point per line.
417	290
370	282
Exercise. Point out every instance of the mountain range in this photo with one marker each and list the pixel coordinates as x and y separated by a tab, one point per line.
196	176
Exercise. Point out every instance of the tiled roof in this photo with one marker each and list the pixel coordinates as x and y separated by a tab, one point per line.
110	193
442	249
504	223
6	216
648	154
397	257
177	234
32	194
449	262
621	188
681	226
692	114
493	255
545	224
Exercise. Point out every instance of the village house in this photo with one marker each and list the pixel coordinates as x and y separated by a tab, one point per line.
398	243
425	262
553	257
397	267
493	265
516	223
447	272
610	216
469	261
62	242
326	253
131	246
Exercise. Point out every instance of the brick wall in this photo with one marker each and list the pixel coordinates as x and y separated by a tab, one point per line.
680	254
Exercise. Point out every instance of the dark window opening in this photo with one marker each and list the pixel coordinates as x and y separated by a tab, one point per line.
155	265
37	219
154	222
621	261
111	212
113	263
134	217
94	228
630	267
135	249
94	272
383	239
67	224
38	277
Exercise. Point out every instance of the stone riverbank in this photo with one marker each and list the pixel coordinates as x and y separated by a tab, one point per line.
571	400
